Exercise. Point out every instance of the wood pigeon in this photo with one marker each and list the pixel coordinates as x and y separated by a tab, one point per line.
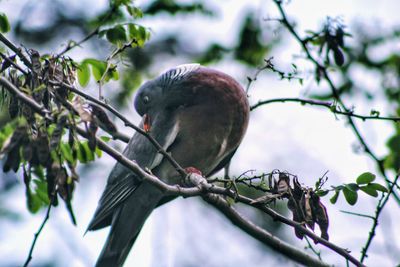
197	114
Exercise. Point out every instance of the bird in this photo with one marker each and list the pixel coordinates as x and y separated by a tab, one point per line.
197	114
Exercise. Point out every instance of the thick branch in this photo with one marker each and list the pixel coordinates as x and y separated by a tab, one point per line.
40	109
202	191
16	50
127	123
260	234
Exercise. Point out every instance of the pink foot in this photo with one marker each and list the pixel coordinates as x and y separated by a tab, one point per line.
193	170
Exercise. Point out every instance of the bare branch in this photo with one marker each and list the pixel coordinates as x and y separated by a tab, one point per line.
358	214
176	190
381	204
326	104
16	50
323	70
40	109
13	63
72	45
260	234
127	123
46	218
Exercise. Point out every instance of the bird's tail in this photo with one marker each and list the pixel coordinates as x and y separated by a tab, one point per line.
127	223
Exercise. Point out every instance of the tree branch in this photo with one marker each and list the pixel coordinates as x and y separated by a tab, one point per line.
260	234
323	70
176	190
379	208
13	63
127	123
71	46
38	108
46	218
330	105
16	50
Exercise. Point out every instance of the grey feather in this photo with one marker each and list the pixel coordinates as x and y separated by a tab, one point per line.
176	74
122	182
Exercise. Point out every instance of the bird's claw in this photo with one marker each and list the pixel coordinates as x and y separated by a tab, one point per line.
196	178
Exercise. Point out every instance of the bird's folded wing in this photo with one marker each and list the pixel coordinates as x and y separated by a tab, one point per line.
113	195
122	182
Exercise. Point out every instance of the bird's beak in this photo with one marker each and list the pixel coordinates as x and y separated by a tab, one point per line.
146	123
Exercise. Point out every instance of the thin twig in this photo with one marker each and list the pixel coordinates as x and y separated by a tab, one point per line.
310	246
116	52
13	63
323	70
379	208
358	214
16	50
71	46
326	104
46	218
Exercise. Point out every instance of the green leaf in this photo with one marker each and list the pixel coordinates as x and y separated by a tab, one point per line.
135	12
89	152
365	178
85	154
83	74
105	138
369	190
33	202
139	33
81	153
4	24
322	193
334	198
378	187
41	191
350	196
98	152
352	186
112	73
98	67
66	152
116	35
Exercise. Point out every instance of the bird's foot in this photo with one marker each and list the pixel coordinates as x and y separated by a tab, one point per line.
191	170
196	178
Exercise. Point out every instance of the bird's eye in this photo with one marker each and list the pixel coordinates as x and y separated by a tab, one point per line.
146	99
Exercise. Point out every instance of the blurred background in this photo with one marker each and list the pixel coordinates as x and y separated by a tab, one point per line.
235	37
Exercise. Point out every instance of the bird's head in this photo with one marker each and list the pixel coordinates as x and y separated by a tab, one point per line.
164	92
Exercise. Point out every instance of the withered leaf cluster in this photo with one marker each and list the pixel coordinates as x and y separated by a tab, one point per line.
303	202
46	148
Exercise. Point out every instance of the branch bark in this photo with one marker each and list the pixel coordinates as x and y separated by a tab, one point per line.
260	234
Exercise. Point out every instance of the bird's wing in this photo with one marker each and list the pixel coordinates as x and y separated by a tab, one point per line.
122	182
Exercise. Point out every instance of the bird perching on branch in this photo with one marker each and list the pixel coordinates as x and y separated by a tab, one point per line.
197	114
